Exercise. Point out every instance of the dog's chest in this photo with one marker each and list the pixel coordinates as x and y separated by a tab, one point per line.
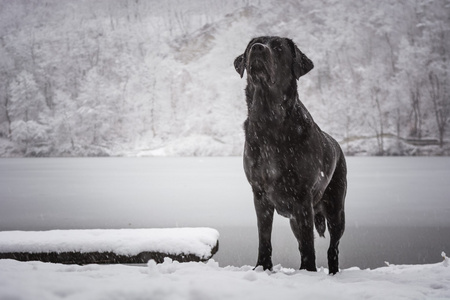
286	167
270	166
267	164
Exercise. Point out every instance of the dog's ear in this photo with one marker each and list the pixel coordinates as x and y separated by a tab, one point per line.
239	64
302	64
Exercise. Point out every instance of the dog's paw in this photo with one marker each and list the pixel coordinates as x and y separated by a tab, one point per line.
263	267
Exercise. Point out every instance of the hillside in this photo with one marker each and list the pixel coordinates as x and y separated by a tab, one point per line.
87	78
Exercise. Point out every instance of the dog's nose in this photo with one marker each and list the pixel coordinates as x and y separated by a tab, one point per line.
258	47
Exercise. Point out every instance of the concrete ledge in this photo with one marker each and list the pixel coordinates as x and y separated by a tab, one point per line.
77	246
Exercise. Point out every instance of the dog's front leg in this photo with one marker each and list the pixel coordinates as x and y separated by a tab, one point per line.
302	224
264	215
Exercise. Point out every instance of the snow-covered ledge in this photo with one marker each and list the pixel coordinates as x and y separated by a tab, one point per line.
110	245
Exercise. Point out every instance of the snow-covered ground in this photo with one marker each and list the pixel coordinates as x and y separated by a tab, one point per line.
397	211
198	281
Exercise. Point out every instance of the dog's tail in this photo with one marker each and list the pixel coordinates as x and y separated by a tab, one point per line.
319	222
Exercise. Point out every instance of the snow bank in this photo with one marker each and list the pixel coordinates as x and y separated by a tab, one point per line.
173	280
197	241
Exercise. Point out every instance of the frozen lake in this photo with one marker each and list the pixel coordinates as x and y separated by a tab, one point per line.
397	209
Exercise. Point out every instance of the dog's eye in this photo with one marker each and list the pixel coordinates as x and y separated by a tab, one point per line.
278	48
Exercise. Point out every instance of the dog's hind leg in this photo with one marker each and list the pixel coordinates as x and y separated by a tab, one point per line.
264	215
336	226
335	215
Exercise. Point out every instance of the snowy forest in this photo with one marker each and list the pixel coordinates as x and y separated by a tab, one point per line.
147	78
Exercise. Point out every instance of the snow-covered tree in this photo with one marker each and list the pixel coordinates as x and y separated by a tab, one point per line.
27	111
25	100
127	75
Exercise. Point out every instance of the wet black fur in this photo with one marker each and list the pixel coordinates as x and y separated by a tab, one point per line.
292	165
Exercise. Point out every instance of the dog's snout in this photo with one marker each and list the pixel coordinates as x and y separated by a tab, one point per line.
258	47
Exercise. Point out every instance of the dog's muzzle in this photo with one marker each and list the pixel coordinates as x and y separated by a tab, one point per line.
260	63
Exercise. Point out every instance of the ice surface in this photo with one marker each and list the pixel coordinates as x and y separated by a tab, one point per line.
173	280
76	193
396	209
198	241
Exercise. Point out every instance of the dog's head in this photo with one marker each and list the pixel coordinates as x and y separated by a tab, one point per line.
269	60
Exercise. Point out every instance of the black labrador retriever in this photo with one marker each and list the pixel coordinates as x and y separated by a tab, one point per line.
292	165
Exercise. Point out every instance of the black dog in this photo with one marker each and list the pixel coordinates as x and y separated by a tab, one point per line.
292	165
